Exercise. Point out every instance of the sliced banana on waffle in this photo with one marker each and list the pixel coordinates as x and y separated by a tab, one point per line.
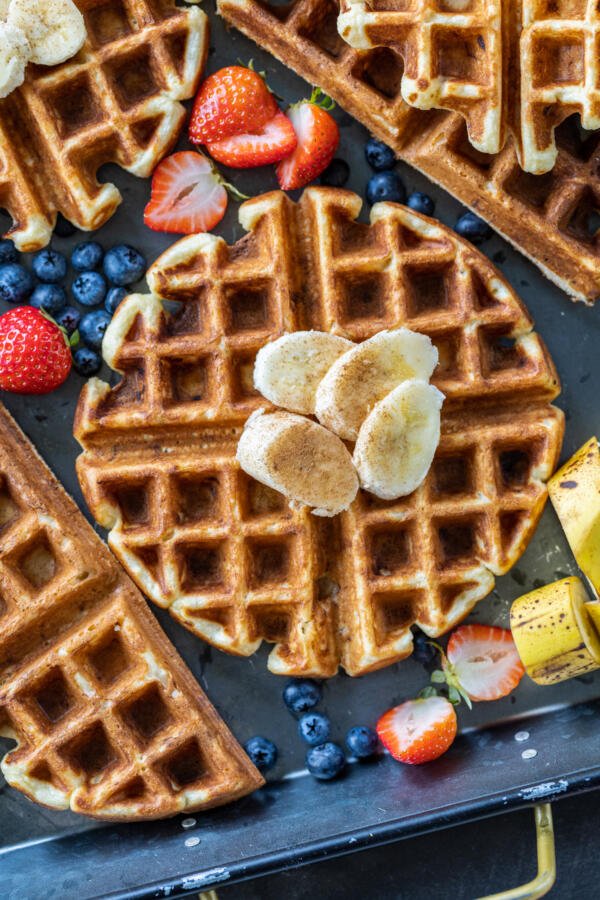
366	374
398	439
14	54
306	463
288	371
55	29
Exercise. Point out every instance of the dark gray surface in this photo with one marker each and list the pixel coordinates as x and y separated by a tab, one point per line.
484	771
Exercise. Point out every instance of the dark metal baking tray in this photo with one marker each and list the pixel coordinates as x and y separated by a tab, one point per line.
294	819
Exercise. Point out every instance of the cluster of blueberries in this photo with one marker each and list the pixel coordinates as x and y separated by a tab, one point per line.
325	759
386	184
44	288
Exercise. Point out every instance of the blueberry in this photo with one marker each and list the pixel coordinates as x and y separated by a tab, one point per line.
336	174
262	752
325	761
314	728
89	288
362	741
301	695
473	228
63	227
16	283
50	266
124	265
87	256
113	298
92	327
421	203
8	253
68	318
86	361
386	186
50	297
379	155
423	650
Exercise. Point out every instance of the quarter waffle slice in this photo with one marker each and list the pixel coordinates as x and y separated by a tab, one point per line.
117	101
551	218
108	720
226	555
521	67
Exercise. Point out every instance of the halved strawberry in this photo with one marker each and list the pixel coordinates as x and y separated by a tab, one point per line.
318	139
275	140
484	661
233	100
187	195
419	730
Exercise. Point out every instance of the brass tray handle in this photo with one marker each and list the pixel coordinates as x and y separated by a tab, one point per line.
546	874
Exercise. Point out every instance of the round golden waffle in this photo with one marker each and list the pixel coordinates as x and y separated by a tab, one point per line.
115	102
552	218
107	719
519	67
226	555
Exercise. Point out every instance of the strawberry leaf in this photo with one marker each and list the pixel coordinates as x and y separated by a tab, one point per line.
74	339
428	691
320	98
438	677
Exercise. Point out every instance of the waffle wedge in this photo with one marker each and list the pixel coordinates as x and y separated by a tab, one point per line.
506	67
550	218
116	101
226	555
108	720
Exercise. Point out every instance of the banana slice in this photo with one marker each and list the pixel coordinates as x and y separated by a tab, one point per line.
55	28
398	440
305	462
364	375
14	54
554	632
288	371
4	4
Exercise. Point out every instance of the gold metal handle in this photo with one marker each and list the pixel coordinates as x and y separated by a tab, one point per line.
546	874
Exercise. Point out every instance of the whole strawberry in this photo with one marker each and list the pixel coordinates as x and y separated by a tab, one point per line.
35	357
234	100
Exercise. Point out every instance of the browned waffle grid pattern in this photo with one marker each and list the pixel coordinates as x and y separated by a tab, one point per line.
116	101
567	81
452	56
551	218
226	555
107	720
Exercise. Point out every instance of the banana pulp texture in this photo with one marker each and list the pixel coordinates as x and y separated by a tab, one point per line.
554	632
287	371
306	463
398	439
14	55
575	494
54	29
366	374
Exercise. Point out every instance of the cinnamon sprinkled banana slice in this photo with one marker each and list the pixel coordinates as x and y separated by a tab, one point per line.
364	375
55	29
288	371
14	53
398	440
306	463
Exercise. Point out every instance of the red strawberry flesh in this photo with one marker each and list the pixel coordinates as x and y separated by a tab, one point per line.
187	195
276	140
418	731
485	660
318	139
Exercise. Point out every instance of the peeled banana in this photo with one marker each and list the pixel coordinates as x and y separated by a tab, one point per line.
306	463
398	439
366	374
288	370
575	494
554	632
